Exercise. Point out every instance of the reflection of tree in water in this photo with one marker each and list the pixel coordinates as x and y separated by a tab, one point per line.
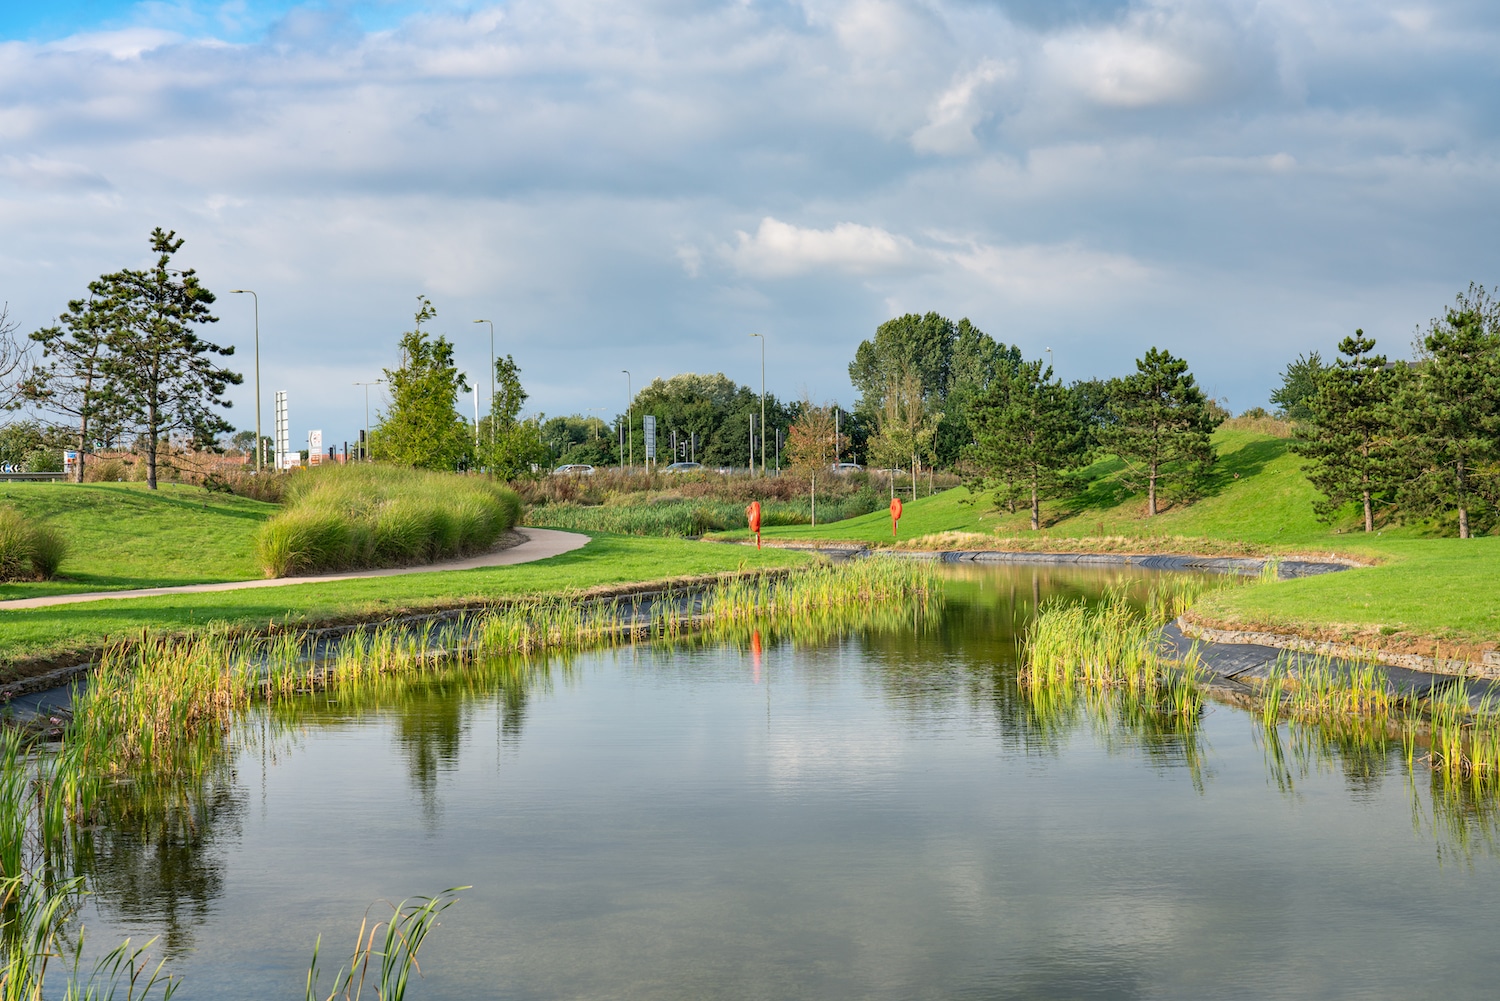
155	854
430	727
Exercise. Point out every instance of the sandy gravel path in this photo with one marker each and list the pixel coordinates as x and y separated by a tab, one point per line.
540	544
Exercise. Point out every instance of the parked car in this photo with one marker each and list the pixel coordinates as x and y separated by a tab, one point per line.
683	467
574	469
847	467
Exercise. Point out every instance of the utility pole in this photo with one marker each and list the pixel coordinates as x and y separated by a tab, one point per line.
492	389
364	448
258	448
629	418
762	409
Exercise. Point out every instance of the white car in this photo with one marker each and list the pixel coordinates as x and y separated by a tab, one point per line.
684	467
574	469
847	467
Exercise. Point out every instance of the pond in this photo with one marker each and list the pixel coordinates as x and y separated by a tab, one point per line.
880	815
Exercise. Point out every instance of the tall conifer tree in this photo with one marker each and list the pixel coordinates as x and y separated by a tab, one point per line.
1027	437
1347	435
1160	425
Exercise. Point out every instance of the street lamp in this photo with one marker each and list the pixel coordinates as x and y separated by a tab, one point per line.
365	446
762	404
492	380
251	293
629	417
1049	357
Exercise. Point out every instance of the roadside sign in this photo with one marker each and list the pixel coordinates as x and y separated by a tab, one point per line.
314	448
650	424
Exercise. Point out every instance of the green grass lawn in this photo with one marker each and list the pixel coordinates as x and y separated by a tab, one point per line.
32	637
121	535
1428	592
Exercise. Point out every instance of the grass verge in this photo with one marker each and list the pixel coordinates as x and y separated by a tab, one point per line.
34	640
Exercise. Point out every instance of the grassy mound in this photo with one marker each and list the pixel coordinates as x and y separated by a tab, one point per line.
362	516
29	549
121	535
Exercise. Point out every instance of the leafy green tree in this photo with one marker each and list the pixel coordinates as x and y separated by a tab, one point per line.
160	376
71	381
1028	438
1160	426
1299	384
810	446
1345	429
906	427
576	438
955	363
712	416
423	427
509	446
1450	414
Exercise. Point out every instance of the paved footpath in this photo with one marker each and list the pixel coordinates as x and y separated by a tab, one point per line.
539	545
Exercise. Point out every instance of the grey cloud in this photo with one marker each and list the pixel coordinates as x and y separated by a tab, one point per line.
1239	179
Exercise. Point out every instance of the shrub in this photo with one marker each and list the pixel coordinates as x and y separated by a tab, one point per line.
28	550
104	471
374	515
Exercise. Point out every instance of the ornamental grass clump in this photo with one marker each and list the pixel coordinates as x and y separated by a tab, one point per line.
370	515
29	550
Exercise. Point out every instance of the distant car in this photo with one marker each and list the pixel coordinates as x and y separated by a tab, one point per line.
683	467
574	469
847	467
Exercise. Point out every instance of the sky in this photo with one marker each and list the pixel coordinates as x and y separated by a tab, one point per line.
643	185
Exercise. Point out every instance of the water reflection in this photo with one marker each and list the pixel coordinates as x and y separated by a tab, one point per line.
163	852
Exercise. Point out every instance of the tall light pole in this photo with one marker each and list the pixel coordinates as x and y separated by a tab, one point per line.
365	445
492	381
1049	356
762	404
629	417
251	293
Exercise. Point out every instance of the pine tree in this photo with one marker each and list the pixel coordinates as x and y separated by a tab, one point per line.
1450	412
1160	425
1347	434
71	381
1027	437
160	374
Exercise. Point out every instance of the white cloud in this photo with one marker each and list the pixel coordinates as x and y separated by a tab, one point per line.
780	250
1121	69
950	123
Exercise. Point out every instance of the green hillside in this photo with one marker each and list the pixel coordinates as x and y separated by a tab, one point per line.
120	535
1256	494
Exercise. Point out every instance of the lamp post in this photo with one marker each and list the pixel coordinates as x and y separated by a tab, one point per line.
1049	356
365	445
762	405
492	382
629	418
251	293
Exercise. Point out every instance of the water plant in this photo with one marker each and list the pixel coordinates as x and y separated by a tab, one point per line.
385	952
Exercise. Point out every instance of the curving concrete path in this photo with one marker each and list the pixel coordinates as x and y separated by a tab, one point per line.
540	544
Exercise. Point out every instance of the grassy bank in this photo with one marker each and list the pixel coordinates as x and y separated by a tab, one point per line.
1429	596
681	518
36	638
362	516
120	535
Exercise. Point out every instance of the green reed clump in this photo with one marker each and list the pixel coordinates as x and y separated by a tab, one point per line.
1109	645
385	952
369	515
29	549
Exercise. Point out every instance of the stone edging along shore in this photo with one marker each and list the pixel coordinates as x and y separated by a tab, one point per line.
1487	667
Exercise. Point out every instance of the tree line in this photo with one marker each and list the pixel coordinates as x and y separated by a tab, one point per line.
1415	439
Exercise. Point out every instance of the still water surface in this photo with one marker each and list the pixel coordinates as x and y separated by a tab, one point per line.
880	816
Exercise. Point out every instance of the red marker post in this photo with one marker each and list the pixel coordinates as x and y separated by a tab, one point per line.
895	514
753	513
